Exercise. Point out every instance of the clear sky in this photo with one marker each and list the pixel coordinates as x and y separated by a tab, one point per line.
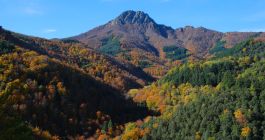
64	18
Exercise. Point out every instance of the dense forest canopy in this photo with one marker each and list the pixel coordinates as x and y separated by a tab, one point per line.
222	98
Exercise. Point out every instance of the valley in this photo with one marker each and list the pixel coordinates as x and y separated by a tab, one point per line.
131	79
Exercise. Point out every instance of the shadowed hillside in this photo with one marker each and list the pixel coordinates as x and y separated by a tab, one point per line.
40	92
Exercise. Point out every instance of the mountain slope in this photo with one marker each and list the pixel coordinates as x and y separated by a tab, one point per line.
120	75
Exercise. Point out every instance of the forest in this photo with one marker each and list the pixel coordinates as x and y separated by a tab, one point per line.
39	93
221	98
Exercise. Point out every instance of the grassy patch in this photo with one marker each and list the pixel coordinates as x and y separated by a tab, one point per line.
110	46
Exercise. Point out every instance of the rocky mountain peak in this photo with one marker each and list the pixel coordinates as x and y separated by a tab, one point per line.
133	17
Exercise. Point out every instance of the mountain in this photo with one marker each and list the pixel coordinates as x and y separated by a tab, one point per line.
136	38
133	30
127	38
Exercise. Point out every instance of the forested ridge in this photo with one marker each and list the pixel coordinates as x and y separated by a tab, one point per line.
222	98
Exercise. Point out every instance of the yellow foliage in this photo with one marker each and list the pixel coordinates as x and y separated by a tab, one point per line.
244	60
219	86
147	119
29	54
154	101
198	136
244	49
133	134
245	131
155	125
226	111
12	85
44	134
38	63
207	89
211	138
240	117
186	99
238	113
133	92
130	126
185	89
61	88
36	130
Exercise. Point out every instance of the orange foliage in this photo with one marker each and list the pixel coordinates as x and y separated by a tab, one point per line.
103	137
51	89
61	88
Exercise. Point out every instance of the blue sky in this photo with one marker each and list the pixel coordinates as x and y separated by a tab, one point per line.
64	18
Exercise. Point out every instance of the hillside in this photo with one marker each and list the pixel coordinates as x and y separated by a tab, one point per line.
120	75
45	93
222	98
